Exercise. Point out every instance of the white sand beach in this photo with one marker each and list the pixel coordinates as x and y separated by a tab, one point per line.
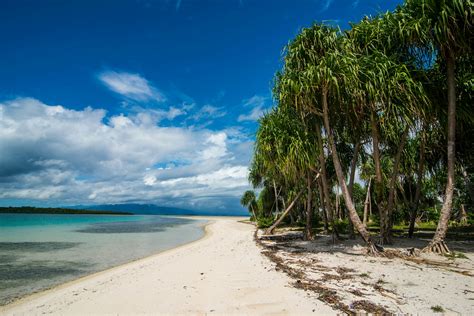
222	273
227	272
343	275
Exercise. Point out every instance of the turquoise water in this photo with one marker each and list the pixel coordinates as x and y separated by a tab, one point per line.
38	251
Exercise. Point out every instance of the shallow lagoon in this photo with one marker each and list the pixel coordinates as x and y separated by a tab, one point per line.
38	251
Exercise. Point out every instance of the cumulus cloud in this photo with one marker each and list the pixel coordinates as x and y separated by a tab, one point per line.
70	156
258	108
132	86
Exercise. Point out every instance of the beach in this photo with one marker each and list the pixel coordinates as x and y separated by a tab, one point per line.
228	272
41	251
222	273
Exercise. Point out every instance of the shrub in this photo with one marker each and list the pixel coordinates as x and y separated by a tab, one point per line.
264	222
341	225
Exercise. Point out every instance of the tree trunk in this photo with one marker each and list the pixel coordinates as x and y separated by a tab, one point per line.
351	185
462	215
392	186
376	149
277	209
308	233
370	208
379	200
373	248
321	198
288	209
327	196
367	203
253	212
437	244
419	184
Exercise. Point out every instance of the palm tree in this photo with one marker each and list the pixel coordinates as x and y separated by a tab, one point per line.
447	25
373	248
249	200
392	97
322	70
378	77
285	146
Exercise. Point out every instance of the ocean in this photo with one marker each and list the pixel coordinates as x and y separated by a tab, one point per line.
39	251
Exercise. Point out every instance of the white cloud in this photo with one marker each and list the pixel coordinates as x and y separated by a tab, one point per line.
83	156
256	100
326	5
216	146
155	116
149	180
132	86
174	112
254	115
224	178
258	108
209	112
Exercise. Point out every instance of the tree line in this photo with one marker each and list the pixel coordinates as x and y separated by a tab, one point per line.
389	100
54	210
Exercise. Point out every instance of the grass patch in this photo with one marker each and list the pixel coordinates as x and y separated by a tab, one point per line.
264	222
437	309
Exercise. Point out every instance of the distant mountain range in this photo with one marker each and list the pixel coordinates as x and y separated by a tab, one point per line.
152	209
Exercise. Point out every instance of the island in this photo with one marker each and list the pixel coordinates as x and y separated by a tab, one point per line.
56	210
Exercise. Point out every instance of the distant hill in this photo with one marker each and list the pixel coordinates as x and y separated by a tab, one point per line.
152	209
55	210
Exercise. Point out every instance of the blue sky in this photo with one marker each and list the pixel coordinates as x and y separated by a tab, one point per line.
141	101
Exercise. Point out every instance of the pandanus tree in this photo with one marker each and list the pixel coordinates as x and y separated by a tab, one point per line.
294	90
323	67
378	77
447	25
332	66
284	142
249	200
413	169
391	97
265	173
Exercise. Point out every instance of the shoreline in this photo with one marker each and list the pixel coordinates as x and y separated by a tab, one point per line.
223	272
37	294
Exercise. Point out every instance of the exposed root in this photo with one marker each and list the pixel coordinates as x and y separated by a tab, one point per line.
269	231
308	236
438	247
374	250
413	252
384	240
405	254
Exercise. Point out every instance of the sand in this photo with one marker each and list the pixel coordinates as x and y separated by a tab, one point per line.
413	286
222	273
